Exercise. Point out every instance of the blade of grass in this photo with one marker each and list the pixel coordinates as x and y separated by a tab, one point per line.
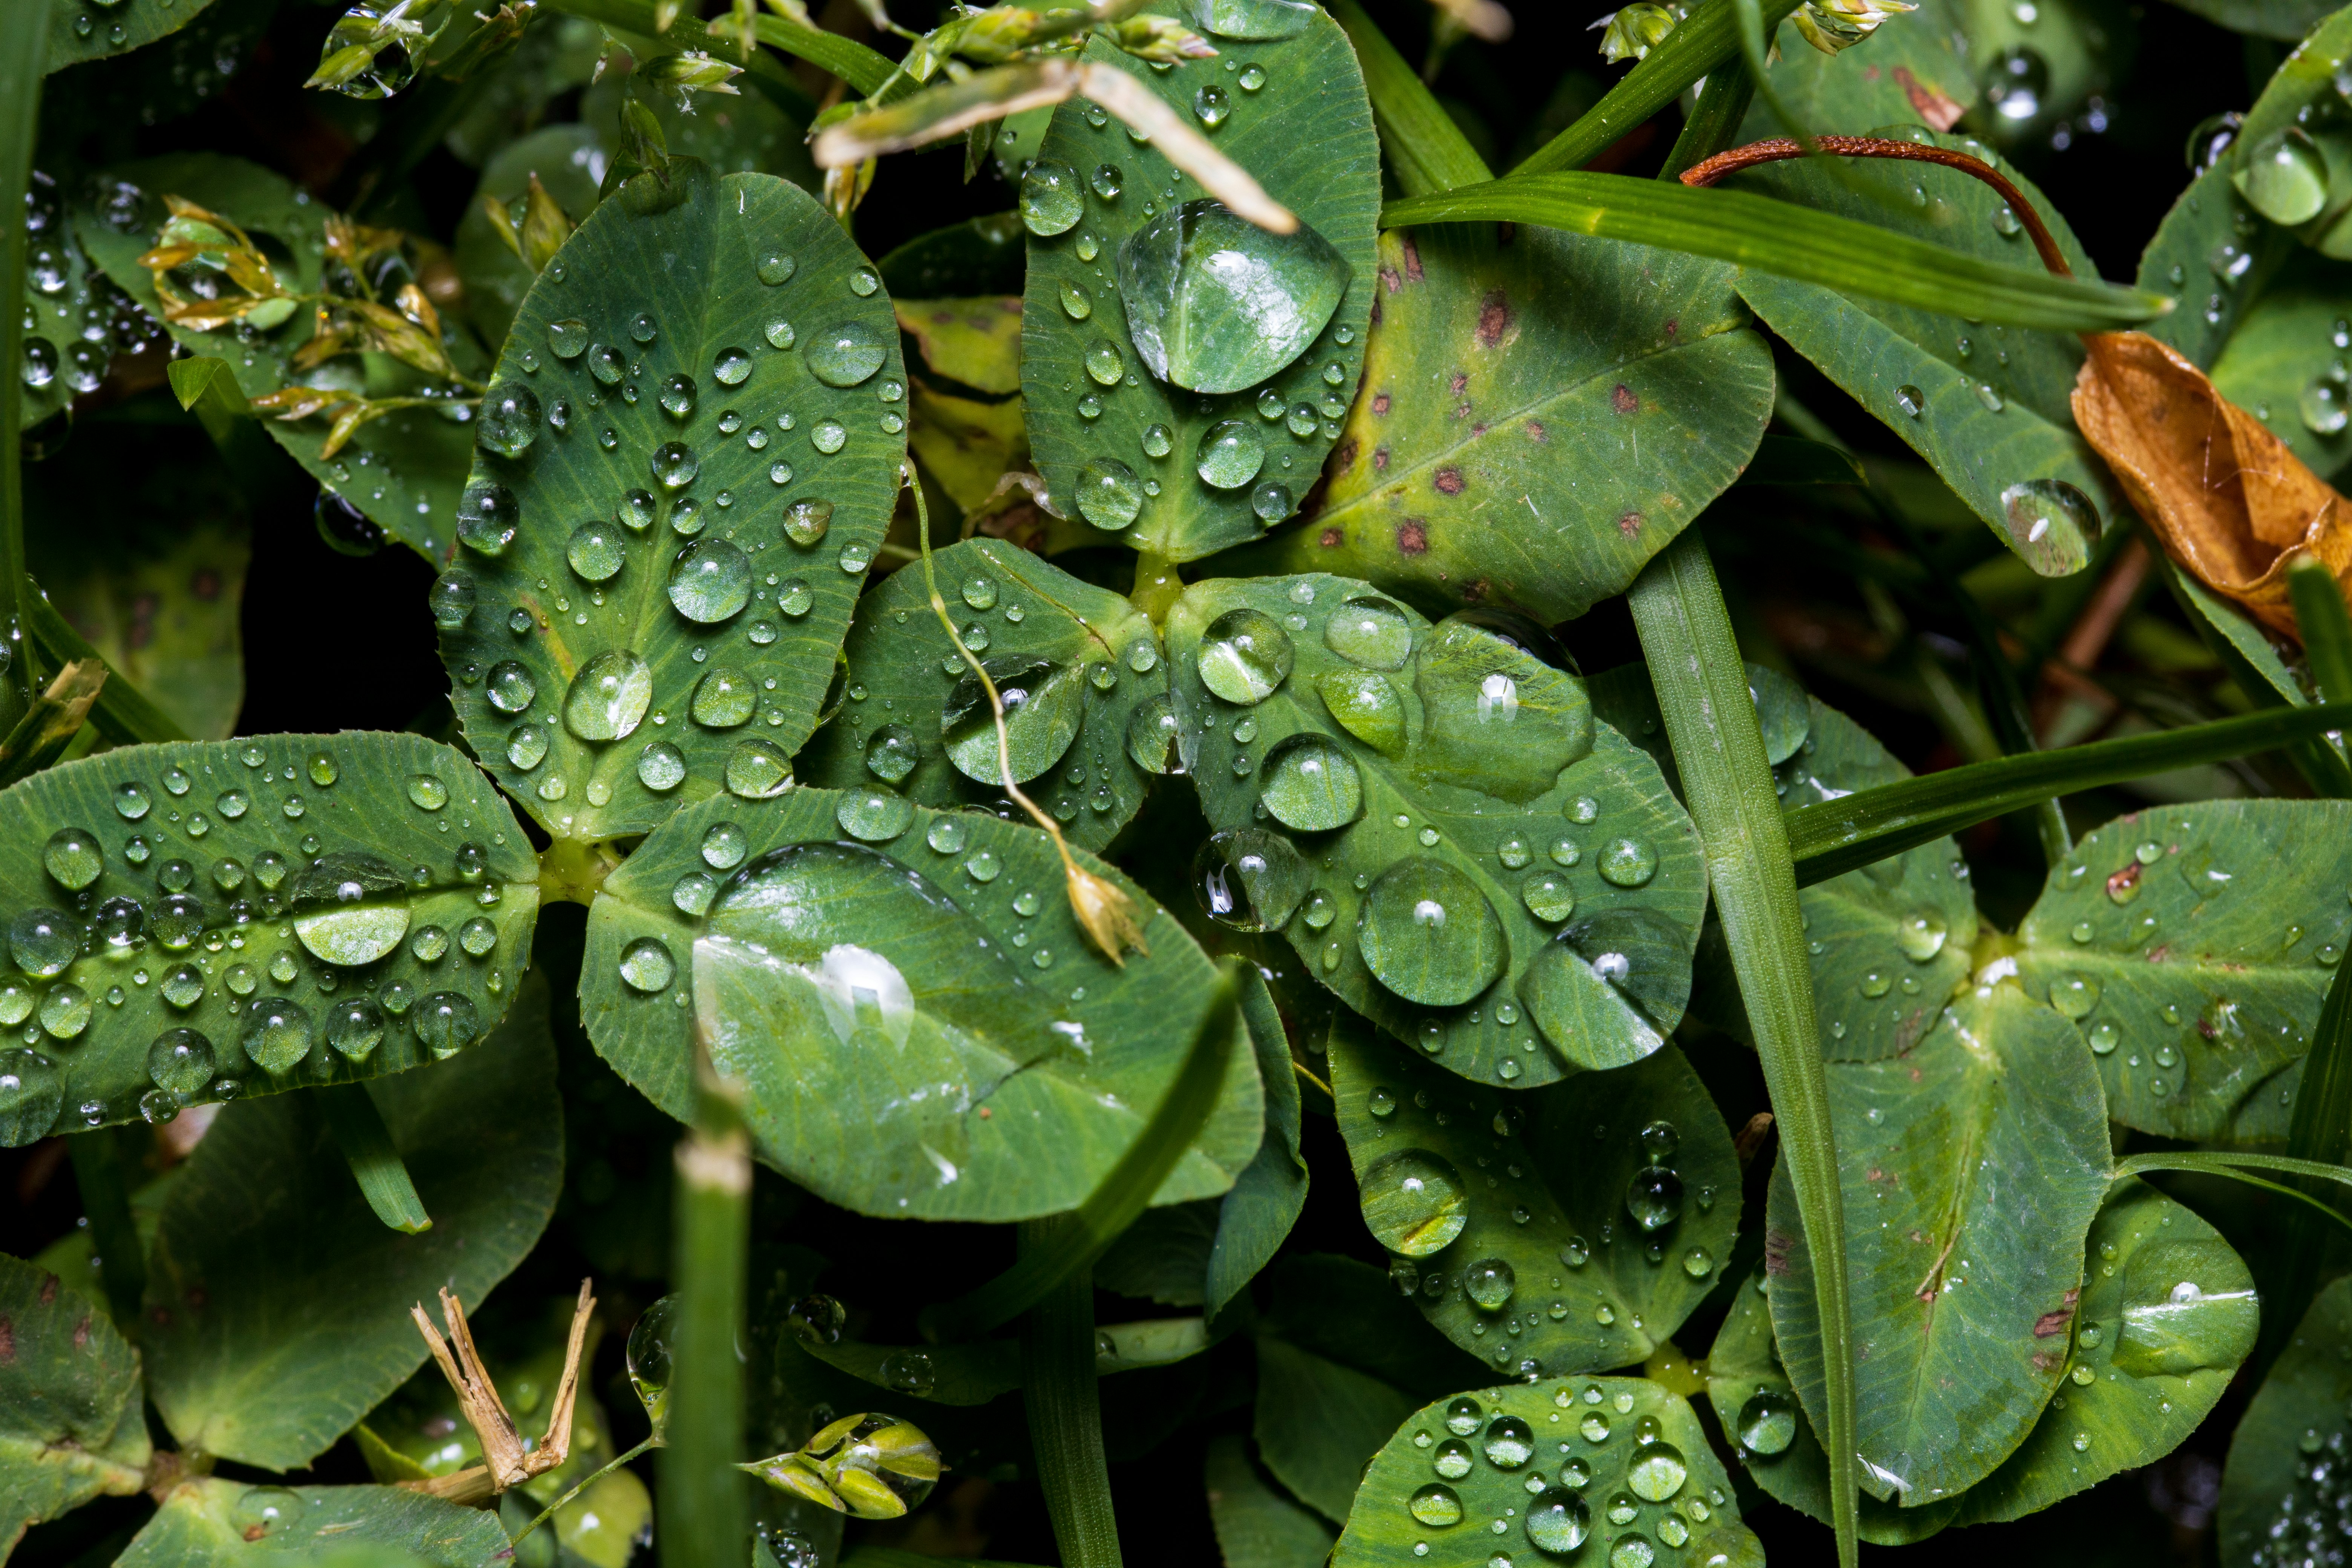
123	713
2321	761
2239	1168
1696	46
1780	237
1837	835
1123	1194
1057	1391
703	1513
100	1164
1702	691
1714	122
351	1114
24	55
1427	151
2321	1128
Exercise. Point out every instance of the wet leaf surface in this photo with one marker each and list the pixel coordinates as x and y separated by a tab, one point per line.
94	32
1769	1433
1567	1229
1539	418
1915	70
1437	823
404	470
1543	1469
1987	406
2197	998
2285	1472
1120	278
1079	669
1971	1167
2167	1315
208	1522
921	1029
277	1308
208	921
70	1413
660	575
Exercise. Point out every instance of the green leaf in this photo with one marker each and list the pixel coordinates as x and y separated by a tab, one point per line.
2295	184
70	1427
1404	767
1065	1055
2284	20
277	1306
208	1522
1541	416
979	256
750	132
1785	239
2278	1489
404	470
1306	136
145	895
2184	974
147	563
1647	1468
1986	405
375	1160
974	343
1979	1157
1890	943
1318	1421
651	635
1092	728
1914	69
569	161
78	32
63	294
1768	1434
1255	1218
2173	1312
1164	1255
1529	1275
1257	1525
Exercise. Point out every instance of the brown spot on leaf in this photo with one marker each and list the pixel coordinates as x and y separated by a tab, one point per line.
1777	1247
1412	537
1449	481
1935	106
1390	280
81	1332
1411	260
1536	432
7	1341
1333	539
1376	309
256	1531
1630	524
1494	319
2120	885
1344	455
1479	428
1379	459
1624	400
49	1289
1472	592
1459	384
1379	403
2159	952
2045	1360
1673	328
2050	1323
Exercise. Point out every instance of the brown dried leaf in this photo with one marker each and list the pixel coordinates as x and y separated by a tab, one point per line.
2229	499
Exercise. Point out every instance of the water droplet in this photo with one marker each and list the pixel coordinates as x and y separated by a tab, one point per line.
1311	785
1911	400
1921	935
1415	1204
2283	177
1216	304
568	339
1243	656
846	355
710	581
487	516
509	421
2051	522
1489	1284
774	268
609	696
758	771
1052	200
1108	495
674	465
1435	1505
1428	934
1654	1197
73	858
646	966
828	436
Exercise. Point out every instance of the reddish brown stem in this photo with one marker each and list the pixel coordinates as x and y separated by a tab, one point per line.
1780	148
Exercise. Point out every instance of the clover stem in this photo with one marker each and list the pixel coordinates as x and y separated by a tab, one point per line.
652	1440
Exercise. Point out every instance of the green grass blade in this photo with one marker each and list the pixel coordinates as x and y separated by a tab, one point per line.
123	713
852	61
703	1513
1714	122
1124	1194
1702	690
1057	1390
2327	629
1855	259
2238	1167
1427	150
1838	836
360	1133
24	50
1694	50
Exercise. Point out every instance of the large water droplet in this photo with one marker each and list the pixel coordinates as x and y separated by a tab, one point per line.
510	687
757	770
487	516
1151	735
1311	785
609	696
1489	1284
874	816
1251	19
1657	1472
1415	1204
1052	198
508	422
1921	935
1244	656
1429	935
1654	1197
597	551
1768	1421
646	966
1370	632
844	355
1365	705
1109	494
73	859
278	1035
2283	177
1249	879
1044	705
1215	303
710	580
1557	1520
2051	523
1436	1505
1230	455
